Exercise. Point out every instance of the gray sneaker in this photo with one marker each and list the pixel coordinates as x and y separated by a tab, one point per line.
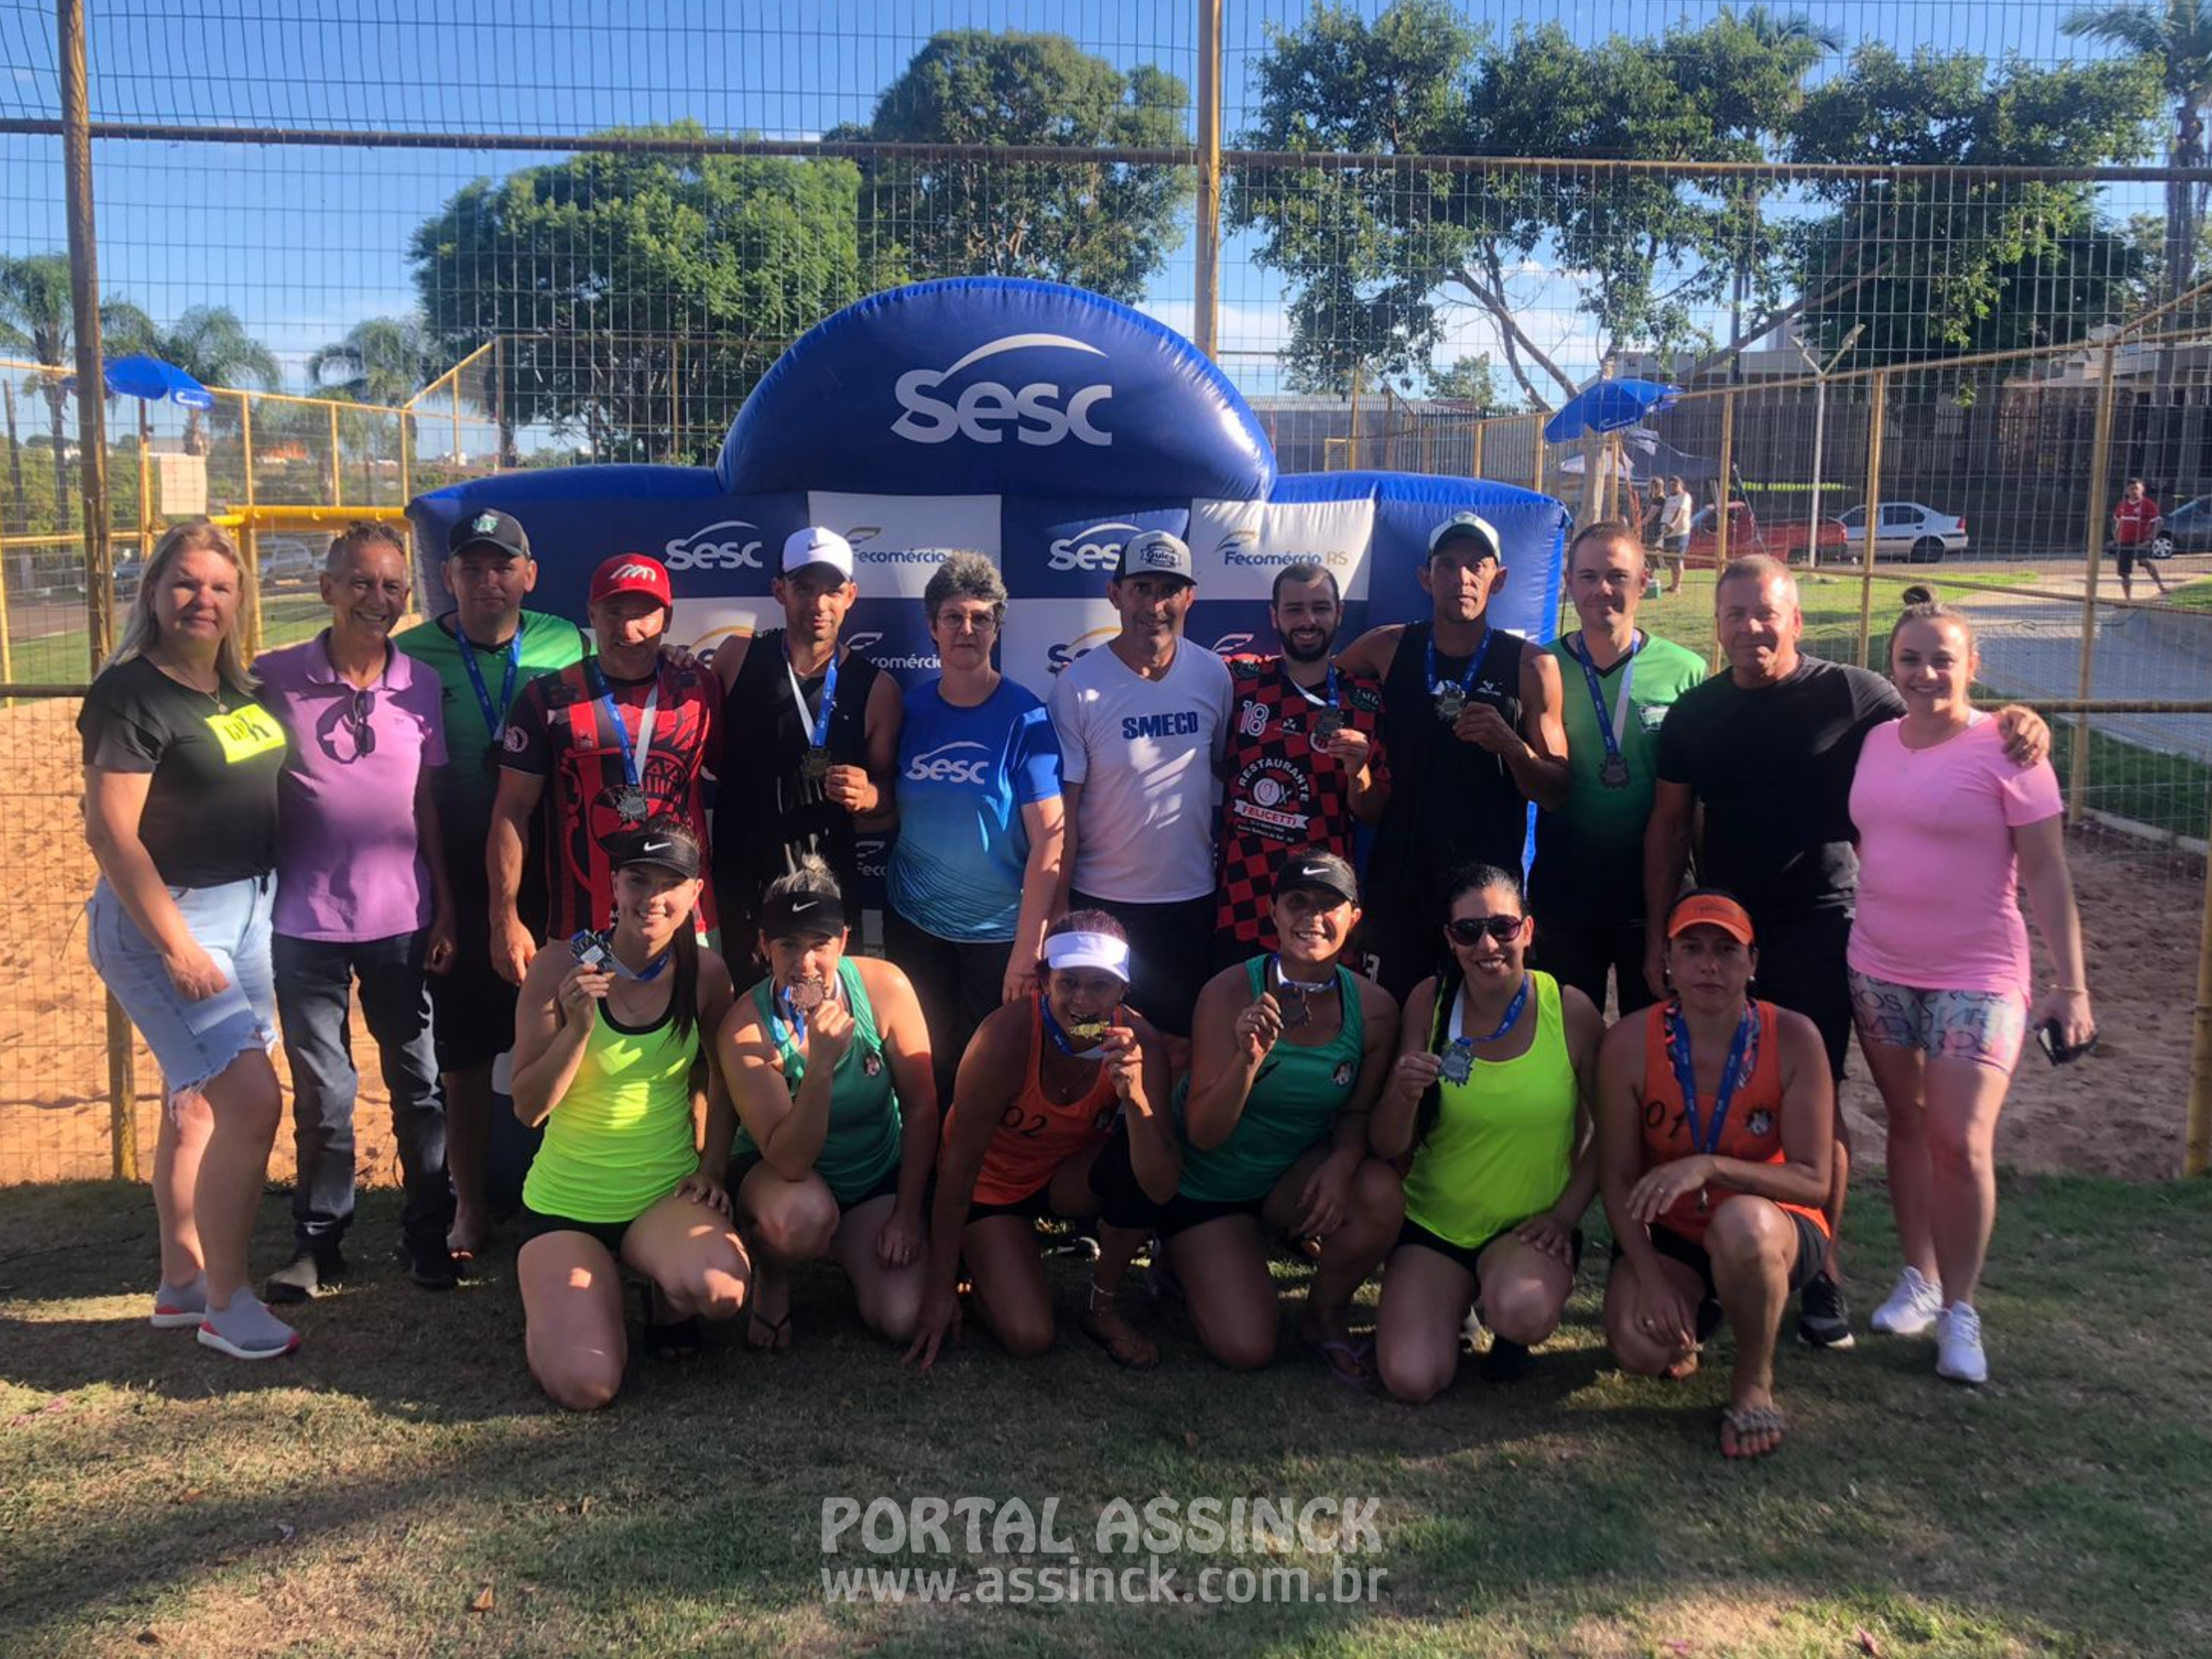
247	1330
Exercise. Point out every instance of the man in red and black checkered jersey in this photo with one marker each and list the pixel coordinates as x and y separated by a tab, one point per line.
613	740
1305	761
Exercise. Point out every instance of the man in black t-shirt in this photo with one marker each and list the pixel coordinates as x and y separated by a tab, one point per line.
1768	750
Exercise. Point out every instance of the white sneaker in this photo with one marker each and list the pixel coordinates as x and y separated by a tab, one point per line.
1913	1307
1959	1354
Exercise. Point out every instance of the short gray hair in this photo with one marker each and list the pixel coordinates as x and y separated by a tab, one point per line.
965	576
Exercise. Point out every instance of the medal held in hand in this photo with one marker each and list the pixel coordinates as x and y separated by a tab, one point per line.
1451	703
815	766
1451	695
1088	1031
591	951
1327	723
806	994
1458	1061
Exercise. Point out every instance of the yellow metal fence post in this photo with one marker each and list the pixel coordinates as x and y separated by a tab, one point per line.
250	540
1877	418
2093	546
337	485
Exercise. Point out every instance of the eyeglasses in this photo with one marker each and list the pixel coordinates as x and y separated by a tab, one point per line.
1469	930
952	622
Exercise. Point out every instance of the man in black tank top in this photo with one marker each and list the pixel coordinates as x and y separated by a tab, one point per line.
810	735
1471	720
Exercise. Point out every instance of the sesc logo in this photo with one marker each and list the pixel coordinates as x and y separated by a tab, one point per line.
1058	657
732	545
1098	547
1040	413
948	764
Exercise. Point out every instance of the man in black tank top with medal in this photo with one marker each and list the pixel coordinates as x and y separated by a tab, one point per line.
1471	719
811	737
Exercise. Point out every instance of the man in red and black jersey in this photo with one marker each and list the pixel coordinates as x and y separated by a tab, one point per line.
1304	761
620	737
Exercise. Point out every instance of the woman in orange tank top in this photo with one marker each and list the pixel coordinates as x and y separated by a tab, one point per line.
1715	1125
1036	1098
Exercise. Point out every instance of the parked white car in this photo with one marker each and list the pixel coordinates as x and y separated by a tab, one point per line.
1908	531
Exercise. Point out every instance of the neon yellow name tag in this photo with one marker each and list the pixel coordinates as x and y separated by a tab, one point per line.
248	732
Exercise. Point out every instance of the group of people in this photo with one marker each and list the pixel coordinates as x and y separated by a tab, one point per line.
1132	979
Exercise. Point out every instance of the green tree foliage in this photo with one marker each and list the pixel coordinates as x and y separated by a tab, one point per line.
1105	226
658	286
1936	264
1474	382
381	360
2174	39
212	345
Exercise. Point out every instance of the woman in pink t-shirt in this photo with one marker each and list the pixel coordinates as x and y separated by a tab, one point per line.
1950	830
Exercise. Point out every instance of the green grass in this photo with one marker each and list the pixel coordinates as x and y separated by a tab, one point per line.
2192	595
59	659
359	1497
2170	792
1830	602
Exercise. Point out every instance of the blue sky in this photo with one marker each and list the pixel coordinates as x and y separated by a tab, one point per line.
302	242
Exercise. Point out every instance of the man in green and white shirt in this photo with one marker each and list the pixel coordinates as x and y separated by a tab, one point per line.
1586	889
483	652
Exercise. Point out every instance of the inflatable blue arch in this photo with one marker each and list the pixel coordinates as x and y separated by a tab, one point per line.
1037	424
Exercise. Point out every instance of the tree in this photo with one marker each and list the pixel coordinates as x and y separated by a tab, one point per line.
1103	225
1937	263
37	316
212	345
381	360
1373	254
1474	382
2175	37
641	289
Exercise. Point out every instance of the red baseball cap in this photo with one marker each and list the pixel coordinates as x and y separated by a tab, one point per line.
1711	910
632	573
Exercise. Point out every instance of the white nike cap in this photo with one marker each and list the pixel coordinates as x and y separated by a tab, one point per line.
817	544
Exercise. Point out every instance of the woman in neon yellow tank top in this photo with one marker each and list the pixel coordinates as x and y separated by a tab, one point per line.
829	1067
1491	1095
612	1056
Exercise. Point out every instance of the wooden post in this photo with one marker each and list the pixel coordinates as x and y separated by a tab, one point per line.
2093	548
1206	318
1474	467
1352	443
1877	415
1536	448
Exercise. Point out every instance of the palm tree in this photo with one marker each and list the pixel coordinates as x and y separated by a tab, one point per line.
2176	36
382	360
212	345
37	316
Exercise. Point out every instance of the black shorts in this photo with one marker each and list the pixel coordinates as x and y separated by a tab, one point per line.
1034	1206
1412	1232
2125	557
745	1162
1801	967
471	1014
1804	1267
1123	1202
535	1224
1170	955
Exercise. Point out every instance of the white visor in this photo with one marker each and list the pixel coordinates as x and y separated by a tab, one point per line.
1100	951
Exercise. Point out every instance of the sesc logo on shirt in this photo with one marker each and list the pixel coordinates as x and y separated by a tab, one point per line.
245	733
947	763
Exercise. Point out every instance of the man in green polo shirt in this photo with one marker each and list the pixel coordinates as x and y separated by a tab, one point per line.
1586	889
483	652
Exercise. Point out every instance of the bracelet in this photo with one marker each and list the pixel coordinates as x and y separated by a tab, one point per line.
2075	990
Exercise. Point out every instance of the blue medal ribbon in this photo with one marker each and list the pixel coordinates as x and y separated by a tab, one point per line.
819	737
1474	663
1579	649
1329	700
1686	1076
606	694
1060	1037
495	717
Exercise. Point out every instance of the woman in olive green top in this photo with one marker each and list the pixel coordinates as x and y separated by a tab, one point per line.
1491	1096
612	1056
828	1063
1288	1052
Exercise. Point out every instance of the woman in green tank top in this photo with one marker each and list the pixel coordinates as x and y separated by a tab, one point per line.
828	1063
1490	1097
1288	1053
611	1057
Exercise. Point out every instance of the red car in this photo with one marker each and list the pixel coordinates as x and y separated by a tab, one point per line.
1785	540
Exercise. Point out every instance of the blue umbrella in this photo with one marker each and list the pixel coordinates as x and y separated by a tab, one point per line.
1607	406
149	378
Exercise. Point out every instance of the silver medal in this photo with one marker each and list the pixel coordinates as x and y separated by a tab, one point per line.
630	805
1451	702
1612	772
1458	1061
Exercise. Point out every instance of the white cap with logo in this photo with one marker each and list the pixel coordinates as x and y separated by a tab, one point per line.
817	545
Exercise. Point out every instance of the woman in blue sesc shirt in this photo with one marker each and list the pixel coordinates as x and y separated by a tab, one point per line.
977	861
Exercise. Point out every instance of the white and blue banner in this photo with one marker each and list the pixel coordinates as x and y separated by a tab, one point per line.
1039	425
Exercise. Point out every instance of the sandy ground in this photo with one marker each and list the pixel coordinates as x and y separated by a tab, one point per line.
2121	1112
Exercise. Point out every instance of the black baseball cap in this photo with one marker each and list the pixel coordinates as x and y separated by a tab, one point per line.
1323	870
649	844
488	528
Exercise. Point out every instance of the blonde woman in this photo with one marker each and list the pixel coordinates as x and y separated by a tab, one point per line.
180	767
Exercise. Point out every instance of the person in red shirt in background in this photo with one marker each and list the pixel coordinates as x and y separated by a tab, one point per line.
2135	528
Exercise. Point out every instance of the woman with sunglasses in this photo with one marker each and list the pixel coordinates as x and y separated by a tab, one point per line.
181	762
828	1062
976	863
1038	1093
1288	1051
1950	831
1715	1127
612	1057
1491	1095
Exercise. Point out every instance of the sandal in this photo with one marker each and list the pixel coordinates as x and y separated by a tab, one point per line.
672	1338
1742	1423
1125	1347
778	1339
1350	1363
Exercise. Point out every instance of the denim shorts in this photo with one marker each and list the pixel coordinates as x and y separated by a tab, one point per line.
1986	1027
194	1042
